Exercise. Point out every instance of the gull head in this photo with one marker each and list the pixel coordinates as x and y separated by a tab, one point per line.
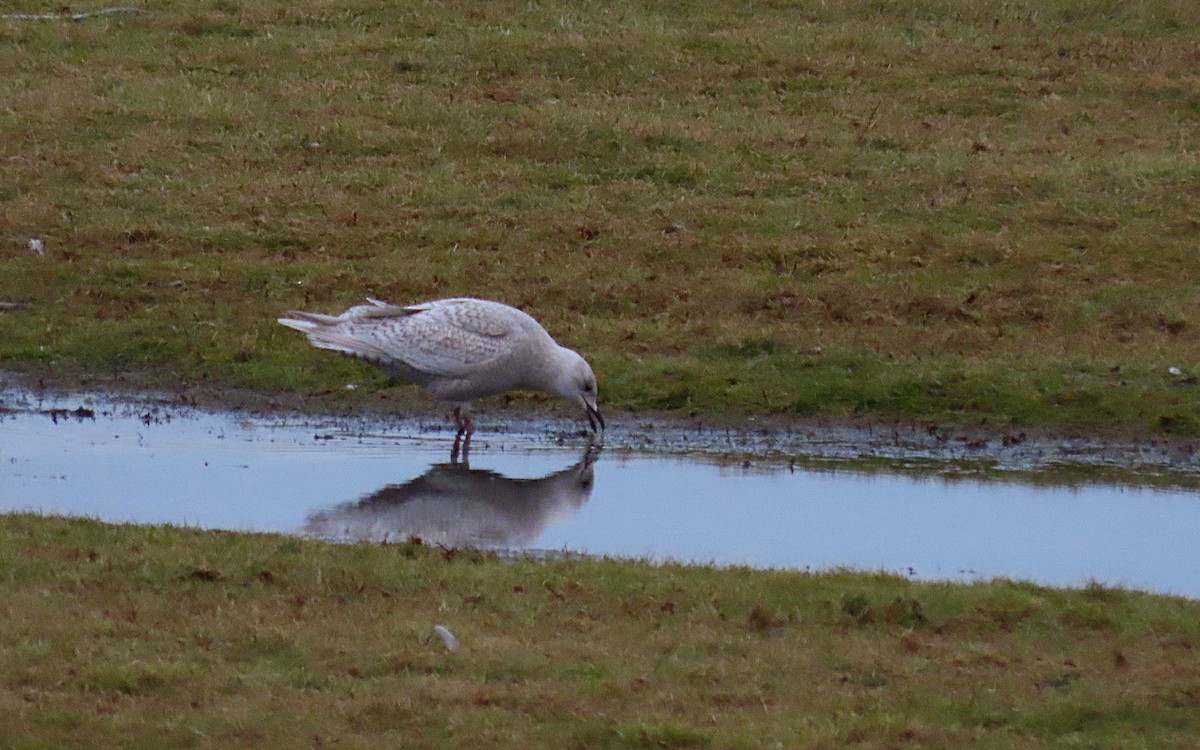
575	382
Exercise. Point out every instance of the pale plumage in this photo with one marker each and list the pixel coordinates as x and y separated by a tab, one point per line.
460	349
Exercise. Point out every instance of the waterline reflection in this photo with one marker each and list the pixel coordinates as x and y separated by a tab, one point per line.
457	506
352	481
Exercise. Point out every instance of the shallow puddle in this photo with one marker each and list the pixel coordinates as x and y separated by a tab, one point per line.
343	481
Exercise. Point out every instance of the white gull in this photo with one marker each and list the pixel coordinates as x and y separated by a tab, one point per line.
460	349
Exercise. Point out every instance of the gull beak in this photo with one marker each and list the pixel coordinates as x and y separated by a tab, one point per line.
593	415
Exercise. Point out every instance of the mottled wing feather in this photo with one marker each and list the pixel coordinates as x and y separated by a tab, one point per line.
437	343
447	338
474	316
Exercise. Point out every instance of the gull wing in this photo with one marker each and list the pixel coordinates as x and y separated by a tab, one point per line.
444	339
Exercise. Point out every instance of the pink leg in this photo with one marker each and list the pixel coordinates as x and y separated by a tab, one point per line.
462	420
462	438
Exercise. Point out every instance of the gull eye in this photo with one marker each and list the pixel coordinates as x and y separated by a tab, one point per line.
587	387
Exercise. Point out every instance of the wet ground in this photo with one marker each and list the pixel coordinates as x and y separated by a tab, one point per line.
917	500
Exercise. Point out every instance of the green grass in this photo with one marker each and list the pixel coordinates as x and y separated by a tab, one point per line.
153	636
936	210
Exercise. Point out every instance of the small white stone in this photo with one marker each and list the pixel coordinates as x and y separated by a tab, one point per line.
447	637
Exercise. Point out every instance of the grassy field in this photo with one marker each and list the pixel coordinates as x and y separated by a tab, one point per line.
974	212
173	638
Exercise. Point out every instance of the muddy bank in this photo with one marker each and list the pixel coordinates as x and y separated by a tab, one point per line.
753	441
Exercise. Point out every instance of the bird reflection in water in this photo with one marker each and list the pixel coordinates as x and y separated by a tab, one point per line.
461	451
456	506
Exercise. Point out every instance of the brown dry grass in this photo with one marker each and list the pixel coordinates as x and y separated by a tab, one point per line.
975	212
128	636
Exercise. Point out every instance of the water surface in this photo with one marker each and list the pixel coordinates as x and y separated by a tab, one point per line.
525	492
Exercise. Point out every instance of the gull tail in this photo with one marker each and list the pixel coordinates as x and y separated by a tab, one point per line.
306	321
323	333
